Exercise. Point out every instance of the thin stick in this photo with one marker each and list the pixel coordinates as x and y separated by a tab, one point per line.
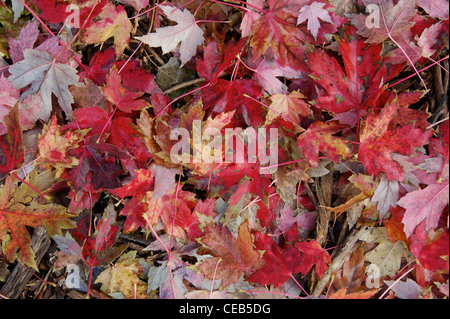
437	123
395	282
338	260
184	85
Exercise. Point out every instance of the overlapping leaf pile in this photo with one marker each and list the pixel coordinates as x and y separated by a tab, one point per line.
92	90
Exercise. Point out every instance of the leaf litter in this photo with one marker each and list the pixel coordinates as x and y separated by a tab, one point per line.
354	207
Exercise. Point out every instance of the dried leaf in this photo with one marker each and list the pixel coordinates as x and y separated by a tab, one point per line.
21	206
45	76
186	32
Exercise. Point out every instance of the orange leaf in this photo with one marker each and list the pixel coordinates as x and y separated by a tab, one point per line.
340	294
54	146
232	256
20	207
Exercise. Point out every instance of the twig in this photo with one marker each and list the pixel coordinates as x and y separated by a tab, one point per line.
184	85
156	55
21	275
338	260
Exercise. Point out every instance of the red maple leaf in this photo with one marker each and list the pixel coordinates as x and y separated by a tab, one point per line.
120	132
276	30
424	205
430	248
134	208
98	168
319	137
227	96
378	143
175	210
312	254
115	92
56	11
133	76
359	84
279	264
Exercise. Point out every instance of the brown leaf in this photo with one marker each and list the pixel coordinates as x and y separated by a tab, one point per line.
352	274
232	256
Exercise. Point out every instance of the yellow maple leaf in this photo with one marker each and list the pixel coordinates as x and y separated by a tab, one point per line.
123	277
113	23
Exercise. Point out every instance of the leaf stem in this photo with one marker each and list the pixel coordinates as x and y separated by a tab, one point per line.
106	124
91	270
301	287
174	215
410	76
29	185
129	58
399	46
142	13
180	97
211	21
214	277
437	123
51	32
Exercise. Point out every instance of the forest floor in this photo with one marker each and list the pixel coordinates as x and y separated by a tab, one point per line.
115	173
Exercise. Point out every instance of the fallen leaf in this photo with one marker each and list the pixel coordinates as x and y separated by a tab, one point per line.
341	294
11	143
378	143
25	40
124	277
387	255
395	20
313	13
386	195
186	32
233	255
431	247
319	138
54	146
45	76
436	8
424	205
266	76
125	100
352	276
22	206
286	41
111	22
408	289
